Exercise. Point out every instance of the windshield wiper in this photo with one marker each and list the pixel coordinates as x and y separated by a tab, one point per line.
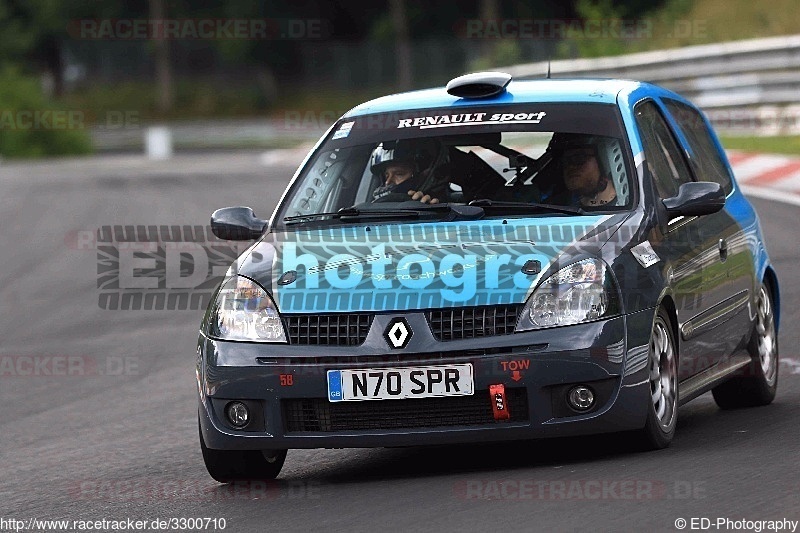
352	212
410	209
454	211
528	206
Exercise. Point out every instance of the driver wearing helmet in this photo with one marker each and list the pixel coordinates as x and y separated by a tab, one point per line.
401	166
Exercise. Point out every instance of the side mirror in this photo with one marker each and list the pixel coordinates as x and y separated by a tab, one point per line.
237	224
695	199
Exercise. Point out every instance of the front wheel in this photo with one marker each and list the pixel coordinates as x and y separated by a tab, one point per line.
757	383
229	466
662	411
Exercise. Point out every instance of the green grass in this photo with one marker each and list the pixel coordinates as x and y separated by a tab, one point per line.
787	144
22	136
680	23
684	23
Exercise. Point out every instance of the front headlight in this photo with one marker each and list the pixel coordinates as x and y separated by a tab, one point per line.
580	292
243	311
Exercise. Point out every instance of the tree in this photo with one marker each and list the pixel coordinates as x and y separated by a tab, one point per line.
164	90
402	46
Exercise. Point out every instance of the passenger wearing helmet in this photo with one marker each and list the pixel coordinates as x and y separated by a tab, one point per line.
584	180
583	177
401	165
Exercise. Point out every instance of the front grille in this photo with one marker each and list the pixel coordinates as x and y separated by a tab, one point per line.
471	322
359	361
318	414
345	329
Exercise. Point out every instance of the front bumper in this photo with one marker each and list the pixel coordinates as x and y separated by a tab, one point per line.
608	355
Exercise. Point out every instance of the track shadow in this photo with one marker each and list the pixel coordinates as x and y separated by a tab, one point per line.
701	426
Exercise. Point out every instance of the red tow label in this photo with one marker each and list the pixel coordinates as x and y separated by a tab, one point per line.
499	405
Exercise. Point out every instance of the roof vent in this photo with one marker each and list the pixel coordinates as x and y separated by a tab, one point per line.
478	84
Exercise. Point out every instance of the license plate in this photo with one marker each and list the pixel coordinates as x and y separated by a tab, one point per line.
400	383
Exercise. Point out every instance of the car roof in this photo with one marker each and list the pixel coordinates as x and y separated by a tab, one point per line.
518	91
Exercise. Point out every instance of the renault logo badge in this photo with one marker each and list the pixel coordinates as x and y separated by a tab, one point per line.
398	333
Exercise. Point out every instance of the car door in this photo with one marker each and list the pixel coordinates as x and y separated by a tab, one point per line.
730	284
689	245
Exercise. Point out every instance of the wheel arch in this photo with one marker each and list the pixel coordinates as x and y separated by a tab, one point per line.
771	280
669	306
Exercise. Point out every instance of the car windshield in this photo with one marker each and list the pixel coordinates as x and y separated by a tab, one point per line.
507	160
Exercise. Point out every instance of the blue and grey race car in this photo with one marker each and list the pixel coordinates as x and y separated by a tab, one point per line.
489	261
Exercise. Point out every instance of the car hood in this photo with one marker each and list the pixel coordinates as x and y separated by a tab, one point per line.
402	267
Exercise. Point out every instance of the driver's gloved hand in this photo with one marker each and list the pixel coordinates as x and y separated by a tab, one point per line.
422	197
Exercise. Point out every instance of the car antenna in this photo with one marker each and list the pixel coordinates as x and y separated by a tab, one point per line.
548	68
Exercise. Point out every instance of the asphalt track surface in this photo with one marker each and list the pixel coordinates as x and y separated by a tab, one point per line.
117	437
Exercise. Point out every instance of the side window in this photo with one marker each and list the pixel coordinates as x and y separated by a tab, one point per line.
661	153
317	185
332	182
707	162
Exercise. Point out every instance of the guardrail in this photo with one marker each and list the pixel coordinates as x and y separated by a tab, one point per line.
207	134
745	87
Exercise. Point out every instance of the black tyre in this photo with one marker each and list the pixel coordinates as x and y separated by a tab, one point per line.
757	383
662	414
229	466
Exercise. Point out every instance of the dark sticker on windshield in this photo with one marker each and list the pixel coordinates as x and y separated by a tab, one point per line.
344	130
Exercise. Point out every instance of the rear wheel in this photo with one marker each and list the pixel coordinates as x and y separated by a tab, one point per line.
757	383
662	411
229	466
